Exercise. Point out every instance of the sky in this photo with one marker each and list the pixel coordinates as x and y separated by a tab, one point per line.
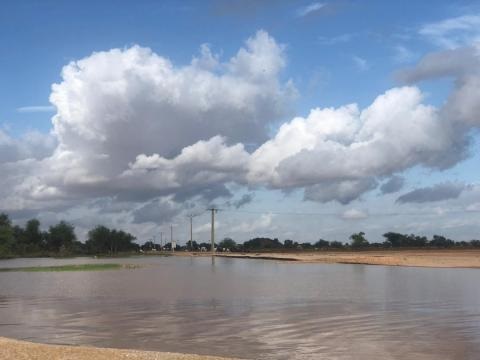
296	119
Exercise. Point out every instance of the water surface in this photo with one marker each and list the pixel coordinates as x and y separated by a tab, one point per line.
255	309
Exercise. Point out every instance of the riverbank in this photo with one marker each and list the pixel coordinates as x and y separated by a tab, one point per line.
21	350
420	258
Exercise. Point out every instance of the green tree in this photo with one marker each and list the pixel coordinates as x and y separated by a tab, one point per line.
227	243
28	240
262	243
102	240
122	241
441	241
322	243
33	235
98	241
61	238
358	240
475	243
20	245
6	235
393	239
306	246
148	246
195	245
401	240
288	244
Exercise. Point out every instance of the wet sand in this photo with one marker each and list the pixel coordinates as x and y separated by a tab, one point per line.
421	258
22	350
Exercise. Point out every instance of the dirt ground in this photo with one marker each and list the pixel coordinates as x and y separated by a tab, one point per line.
21	350
422	258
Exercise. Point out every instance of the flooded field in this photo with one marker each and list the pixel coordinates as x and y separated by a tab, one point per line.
254	309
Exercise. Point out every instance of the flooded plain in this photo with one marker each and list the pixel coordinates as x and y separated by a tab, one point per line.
255	309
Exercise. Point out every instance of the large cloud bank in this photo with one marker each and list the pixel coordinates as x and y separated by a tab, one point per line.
133	126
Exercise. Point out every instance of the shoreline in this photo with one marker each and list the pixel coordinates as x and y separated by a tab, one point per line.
11	349
408	258
432	258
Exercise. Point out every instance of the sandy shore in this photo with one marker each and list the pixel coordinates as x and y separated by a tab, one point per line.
22	350
422	258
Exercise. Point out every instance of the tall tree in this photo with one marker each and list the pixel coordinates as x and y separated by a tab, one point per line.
61	237
33	235
98	241
102	240
6	235
322	243
227	243
358	240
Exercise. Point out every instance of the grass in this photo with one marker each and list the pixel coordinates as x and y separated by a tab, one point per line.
79	267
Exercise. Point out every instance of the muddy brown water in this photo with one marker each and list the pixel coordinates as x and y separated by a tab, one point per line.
256	309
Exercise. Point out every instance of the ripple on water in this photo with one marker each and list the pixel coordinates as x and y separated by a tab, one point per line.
251	309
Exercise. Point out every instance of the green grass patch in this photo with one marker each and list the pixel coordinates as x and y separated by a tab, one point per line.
79	267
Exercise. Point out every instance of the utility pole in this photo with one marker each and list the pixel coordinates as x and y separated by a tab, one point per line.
191	232
212	246
191	216
171	238
161	241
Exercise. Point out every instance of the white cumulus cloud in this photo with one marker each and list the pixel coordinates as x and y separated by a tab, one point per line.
122	111
136	128
342	150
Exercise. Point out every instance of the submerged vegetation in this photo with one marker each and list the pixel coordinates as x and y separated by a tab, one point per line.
77	267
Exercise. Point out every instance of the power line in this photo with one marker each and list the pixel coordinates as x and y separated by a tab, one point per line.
274	212
336	213
213	210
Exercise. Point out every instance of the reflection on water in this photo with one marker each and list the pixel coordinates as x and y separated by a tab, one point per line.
249	308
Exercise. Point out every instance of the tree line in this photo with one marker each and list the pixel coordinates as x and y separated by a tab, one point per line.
357	241
60	240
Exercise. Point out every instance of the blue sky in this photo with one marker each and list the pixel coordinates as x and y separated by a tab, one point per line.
40	37
335	53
